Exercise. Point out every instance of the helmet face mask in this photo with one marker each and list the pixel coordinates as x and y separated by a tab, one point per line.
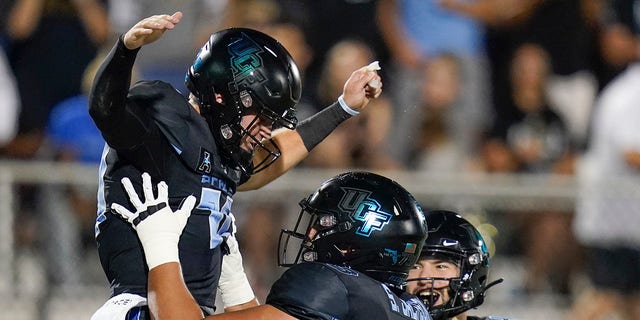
251	73
359	220
453	239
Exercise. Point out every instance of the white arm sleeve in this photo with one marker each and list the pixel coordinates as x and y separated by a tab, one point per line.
234	286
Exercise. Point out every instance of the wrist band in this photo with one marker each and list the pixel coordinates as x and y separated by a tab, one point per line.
234	285
346	108
317	127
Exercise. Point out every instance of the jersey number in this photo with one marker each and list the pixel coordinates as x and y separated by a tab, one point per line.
219	219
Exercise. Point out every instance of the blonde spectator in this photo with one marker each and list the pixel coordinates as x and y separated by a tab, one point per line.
436	146
529	137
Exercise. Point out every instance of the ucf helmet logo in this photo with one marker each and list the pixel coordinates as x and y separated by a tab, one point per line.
364	209
245	63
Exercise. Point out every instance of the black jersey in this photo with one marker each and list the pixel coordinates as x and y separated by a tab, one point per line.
152	128
326	291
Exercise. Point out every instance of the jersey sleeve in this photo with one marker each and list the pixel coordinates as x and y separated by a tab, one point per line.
120	121
310	291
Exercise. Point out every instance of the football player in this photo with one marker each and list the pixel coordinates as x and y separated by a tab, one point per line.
359	233
452	273
236	130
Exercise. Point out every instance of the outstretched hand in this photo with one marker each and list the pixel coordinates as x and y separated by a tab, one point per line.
150	29
363	85
158	227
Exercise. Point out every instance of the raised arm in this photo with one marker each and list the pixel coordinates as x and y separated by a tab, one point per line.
159	230
363	85
108	98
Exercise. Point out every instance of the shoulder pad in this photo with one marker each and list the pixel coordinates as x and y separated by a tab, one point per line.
150	89
159	97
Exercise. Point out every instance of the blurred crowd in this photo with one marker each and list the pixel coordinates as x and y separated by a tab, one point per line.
470	86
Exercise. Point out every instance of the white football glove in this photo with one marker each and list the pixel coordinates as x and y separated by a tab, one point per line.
158	227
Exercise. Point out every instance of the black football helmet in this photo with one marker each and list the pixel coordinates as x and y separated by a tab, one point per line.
452	238
359	220
253	74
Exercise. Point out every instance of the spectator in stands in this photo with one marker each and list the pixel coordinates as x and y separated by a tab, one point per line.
359	143
617	40
51	43
71	133
565	29
71	136
434	147
327	22
608	208
531	138
419	30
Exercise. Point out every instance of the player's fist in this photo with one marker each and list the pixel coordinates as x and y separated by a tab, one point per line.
363	85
